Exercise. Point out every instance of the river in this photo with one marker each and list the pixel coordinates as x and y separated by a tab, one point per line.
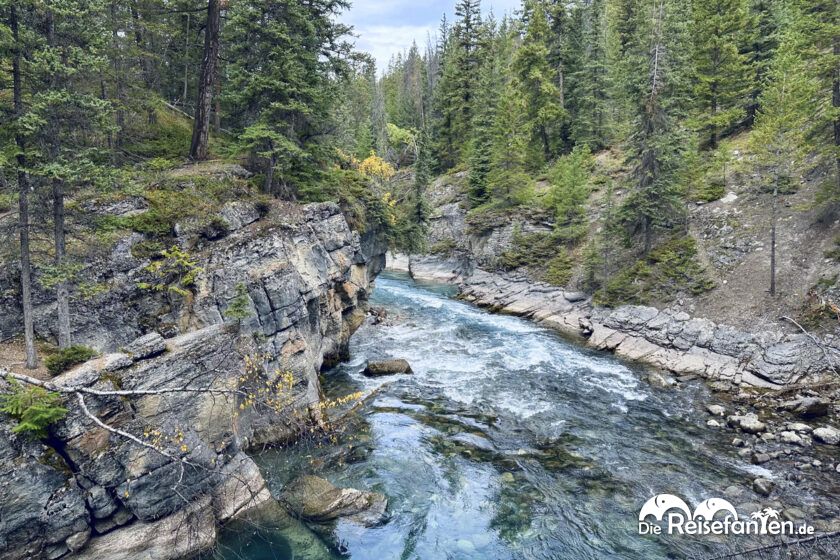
508	442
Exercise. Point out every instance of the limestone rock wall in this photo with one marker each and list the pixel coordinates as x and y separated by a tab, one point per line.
91	493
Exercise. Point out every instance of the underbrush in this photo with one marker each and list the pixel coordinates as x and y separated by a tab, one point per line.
62	360
670	269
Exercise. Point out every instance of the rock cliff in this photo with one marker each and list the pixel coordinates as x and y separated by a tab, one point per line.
89	492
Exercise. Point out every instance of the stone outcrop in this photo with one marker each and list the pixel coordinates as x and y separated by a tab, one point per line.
668	339
387	367
91	493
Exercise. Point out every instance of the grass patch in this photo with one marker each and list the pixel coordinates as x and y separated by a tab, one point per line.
834	252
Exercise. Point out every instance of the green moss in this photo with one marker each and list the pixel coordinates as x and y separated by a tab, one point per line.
670	270
63	360
178	200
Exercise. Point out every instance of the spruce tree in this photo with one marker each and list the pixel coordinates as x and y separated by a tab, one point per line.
655	201
721	69
781	125
537	81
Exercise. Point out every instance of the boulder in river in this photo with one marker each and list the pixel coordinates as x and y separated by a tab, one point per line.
387	367
827	435
807	407
762	486
317	500
749	423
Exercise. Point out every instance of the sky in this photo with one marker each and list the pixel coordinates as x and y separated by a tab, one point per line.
386	27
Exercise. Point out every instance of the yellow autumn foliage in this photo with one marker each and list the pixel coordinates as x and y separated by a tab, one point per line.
375	167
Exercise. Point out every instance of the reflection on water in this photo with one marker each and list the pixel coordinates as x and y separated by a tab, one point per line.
508	442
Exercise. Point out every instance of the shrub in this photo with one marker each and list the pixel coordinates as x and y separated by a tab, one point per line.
176	272
834	253
34	408
532	249
7	201
445	247
63	360
710	190
669	270
263	206
146	249
239	307
216	228
559	269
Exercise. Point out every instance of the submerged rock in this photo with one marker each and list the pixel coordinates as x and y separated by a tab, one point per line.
315	499
387	367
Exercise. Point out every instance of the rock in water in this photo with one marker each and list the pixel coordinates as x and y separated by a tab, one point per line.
807	407
314	499
749	423
387	367
827	435
762	486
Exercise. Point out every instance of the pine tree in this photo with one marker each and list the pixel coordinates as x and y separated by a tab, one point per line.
279	92
779	137
655	202
762	41
490	87
537	81
455	93
588	83
721	69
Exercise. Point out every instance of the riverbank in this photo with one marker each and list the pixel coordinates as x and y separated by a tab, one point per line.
758	379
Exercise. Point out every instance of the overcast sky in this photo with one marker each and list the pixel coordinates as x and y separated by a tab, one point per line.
386	27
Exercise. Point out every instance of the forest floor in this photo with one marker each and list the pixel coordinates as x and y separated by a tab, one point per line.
13	358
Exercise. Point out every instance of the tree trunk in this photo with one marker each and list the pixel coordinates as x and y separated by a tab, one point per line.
269	175
773	239
61	295
120	86
835	101
145	61
186	63
23	193
217	103
201	126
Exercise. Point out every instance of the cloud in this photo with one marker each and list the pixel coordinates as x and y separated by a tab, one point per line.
387	27
384	41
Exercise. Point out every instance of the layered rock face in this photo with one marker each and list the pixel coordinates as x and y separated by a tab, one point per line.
92	493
